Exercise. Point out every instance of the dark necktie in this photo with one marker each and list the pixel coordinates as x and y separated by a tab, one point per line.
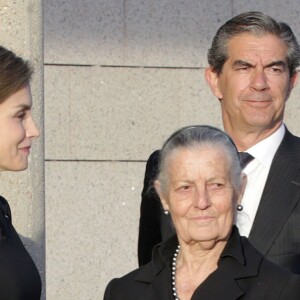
245	158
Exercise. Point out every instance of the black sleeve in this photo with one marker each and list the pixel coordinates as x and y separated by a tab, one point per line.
150	213
5	219
4	208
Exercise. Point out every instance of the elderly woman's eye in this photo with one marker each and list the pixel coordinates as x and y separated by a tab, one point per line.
184	188
216	185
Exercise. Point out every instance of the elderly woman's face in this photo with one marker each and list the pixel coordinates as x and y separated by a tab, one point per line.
200	196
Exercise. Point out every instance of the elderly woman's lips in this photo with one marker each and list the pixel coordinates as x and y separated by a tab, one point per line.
203	218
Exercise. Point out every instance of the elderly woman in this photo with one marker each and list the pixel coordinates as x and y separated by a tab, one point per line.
19	277
200	184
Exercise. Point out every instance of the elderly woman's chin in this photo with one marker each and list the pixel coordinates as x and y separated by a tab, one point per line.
208	235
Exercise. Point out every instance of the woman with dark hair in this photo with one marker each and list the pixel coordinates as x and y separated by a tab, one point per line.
19	277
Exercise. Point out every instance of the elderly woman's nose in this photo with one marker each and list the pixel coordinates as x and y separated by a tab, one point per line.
201	200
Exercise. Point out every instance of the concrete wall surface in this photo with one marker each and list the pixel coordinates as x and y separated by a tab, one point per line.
120	77
21	30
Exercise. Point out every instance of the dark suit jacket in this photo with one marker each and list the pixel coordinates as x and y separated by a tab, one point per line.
276	228
242	273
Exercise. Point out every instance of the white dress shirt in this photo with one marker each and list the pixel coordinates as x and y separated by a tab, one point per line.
257	172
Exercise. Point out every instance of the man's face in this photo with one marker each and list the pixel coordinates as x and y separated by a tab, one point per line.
254	83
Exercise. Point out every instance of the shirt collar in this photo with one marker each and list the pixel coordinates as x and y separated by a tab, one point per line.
265	150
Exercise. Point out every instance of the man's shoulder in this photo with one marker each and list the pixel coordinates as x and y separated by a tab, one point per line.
266	267
290	145
290	137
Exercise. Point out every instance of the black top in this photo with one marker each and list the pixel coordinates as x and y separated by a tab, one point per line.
242	273
19	277
154	225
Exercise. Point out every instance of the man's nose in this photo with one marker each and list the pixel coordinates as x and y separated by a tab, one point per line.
259	80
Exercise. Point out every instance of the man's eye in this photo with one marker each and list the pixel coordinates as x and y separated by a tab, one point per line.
242	69
276	70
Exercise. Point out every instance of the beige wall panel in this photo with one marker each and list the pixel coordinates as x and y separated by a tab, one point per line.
139	33
197	104
17	28
83	33
120	114
292	112
92	225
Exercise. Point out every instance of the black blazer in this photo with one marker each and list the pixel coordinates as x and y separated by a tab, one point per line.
276	228
242	273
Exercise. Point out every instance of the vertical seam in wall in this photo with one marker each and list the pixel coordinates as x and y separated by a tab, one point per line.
125	31
70	112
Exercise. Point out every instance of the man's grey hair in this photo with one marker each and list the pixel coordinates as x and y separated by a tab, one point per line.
258	24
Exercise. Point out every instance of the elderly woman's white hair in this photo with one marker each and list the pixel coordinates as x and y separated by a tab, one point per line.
197	137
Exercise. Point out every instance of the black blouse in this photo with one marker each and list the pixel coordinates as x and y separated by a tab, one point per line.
19	277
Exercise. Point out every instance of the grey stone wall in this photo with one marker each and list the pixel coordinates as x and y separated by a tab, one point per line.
120	76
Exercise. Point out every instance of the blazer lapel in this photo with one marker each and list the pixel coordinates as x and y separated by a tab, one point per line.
223	286
238	262
159	282
156	273
280	196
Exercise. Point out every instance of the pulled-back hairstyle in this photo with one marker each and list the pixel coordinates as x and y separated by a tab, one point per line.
197	137
258	24
14	73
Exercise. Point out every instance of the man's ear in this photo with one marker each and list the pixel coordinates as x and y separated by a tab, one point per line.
242	189
293	82
162	197
212	78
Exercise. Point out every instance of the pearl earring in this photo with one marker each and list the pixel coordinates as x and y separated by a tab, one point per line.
166	212
239	207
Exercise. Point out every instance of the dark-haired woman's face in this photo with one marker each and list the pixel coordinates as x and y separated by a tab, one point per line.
17	129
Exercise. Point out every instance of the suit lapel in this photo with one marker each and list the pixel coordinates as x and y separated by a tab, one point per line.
280	196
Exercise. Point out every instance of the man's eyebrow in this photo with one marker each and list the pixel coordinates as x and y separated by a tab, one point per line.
278	63
239	63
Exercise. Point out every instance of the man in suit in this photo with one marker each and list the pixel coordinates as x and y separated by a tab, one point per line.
252	70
